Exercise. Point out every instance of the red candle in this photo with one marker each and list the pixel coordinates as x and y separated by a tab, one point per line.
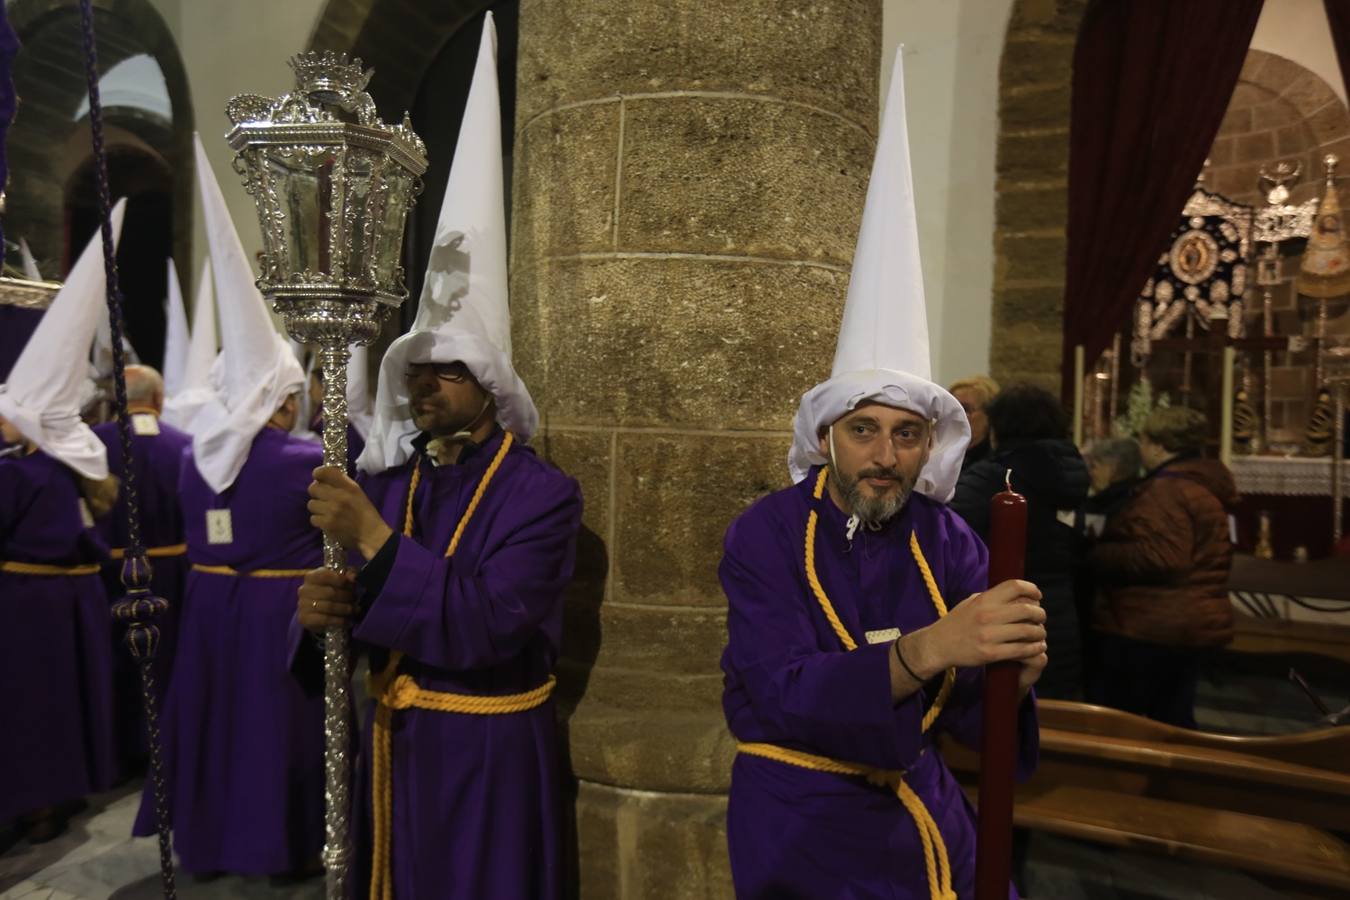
998	747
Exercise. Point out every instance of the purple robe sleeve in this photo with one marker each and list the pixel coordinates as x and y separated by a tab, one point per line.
452	616
963	715
835	703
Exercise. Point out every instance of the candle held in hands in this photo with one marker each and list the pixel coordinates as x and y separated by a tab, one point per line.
998	747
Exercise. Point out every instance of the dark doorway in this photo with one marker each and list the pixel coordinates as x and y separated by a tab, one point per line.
145	245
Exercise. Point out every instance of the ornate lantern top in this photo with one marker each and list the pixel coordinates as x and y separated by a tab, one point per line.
333	186
329	91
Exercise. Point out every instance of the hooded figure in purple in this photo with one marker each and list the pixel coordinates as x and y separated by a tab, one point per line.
157	449
465	541
243	742
856	624
55	661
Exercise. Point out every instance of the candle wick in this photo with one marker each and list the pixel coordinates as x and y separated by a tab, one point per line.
1007	480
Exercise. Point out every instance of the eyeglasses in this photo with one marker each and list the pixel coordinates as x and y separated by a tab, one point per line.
455	373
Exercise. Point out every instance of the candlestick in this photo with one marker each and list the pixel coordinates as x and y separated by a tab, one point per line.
998	744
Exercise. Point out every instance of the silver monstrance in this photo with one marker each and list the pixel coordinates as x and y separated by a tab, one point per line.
333	186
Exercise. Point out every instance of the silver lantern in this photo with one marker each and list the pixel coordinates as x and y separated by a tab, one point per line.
333	187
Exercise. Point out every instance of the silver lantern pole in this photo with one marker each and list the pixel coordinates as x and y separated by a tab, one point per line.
333	186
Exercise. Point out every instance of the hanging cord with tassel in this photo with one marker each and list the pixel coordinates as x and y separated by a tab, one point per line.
139	608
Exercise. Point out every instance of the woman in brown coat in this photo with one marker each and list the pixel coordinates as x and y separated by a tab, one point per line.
1163	563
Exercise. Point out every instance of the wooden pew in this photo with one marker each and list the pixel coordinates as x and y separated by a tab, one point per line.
1277	807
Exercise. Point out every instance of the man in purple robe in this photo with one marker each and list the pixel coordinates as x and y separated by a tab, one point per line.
243	741
858	619
56	662
475	799
466	541
792	681
55	665
157	452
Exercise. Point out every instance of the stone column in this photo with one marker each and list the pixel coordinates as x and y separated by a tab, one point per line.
689	178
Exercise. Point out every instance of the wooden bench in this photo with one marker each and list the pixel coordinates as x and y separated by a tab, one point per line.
1278	807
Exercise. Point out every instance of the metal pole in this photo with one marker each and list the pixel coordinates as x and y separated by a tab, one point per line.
337	705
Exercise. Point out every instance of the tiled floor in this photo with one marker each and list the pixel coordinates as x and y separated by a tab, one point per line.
97	860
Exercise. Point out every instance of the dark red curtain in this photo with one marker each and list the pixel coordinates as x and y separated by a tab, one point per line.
1338	17
1151	83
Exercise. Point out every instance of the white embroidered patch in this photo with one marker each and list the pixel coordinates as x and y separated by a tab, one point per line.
144	424
884	636
219	527
86	516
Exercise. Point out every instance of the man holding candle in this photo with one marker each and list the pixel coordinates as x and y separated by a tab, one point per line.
858	617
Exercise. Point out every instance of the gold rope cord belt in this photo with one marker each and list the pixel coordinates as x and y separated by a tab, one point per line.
25	568
934	849
935	858
393	691
152	552
255	573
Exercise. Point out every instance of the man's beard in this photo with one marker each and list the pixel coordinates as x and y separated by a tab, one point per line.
874	511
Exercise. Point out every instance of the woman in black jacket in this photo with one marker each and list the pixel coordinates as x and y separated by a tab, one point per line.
1029	435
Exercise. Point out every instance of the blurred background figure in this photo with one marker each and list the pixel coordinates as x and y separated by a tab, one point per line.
975	394
1163	562
1028	434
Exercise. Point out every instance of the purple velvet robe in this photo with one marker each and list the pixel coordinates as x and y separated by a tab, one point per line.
242	740
476	798
55	662
794	832
158	459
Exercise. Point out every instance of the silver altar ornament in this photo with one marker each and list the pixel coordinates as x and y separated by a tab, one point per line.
333	187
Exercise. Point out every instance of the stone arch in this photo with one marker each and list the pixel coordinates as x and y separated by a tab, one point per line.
50	197
49	141
1279	110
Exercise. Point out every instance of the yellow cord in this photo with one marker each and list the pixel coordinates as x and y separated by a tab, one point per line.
152	552
935	857
24	568
949	678
256	573
393	691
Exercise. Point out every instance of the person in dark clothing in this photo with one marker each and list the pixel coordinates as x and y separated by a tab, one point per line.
1029	436
1163	562
1113	466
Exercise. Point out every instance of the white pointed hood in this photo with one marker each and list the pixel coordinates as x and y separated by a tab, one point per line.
463	315
46	388
175	336
360	405
30	266
883	354
255	371
182	405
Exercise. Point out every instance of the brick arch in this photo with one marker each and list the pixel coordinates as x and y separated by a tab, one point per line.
397	38
1279	110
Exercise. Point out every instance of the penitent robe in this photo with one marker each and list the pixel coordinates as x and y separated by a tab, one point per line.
55	664
476	799
794	832
243	742
157	449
